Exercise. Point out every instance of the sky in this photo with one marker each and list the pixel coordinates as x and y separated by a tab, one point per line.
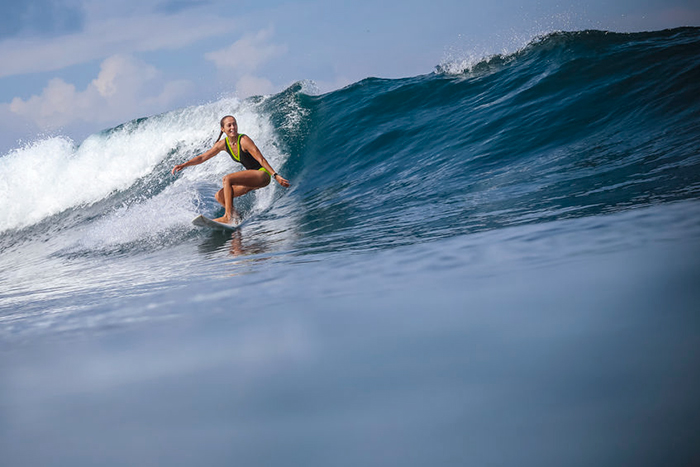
76	67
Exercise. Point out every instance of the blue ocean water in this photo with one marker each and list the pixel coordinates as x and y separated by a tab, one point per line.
492	264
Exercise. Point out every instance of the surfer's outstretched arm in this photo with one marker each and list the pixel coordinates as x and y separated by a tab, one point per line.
216	149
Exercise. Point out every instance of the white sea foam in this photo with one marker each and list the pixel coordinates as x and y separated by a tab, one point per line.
52	175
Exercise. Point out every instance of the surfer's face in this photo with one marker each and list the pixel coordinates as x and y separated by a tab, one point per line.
230	126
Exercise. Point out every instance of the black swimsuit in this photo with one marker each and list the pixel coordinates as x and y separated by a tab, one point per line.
243	156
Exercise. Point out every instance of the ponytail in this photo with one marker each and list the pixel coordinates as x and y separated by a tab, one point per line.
220	133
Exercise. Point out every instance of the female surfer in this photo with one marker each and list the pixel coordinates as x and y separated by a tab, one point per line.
241	149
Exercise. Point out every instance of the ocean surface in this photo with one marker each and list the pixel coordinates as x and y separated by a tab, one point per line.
496	263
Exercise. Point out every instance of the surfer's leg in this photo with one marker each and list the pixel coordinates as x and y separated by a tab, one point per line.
238	184
221	198
238	190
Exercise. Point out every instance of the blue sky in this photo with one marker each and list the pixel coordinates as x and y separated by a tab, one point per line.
74	67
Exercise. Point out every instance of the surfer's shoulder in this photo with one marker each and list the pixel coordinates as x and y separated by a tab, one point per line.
247	142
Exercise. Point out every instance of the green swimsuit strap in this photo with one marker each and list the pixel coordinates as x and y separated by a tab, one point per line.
237	155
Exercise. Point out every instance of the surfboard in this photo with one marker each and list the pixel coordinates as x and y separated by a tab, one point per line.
203	221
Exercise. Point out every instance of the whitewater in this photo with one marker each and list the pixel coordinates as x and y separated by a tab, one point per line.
493	263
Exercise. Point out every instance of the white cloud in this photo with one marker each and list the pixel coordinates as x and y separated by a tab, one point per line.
247	54
244	57
124	89
103	37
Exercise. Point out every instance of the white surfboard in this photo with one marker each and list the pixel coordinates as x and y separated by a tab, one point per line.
203	221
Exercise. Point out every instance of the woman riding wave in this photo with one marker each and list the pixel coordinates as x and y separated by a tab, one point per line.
241	149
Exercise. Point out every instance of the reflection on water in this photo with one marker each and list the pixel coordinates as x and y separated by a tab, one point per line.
237	243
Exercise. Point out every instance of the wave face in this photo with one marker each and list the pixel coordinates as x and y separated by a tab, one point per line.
575	124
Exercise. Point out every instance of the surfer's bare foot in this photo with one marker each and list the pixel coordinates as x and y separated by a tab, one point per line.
232	220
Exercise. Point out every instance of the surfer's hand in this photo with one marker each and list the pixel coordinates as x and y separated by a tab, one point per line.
177	168
281	181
